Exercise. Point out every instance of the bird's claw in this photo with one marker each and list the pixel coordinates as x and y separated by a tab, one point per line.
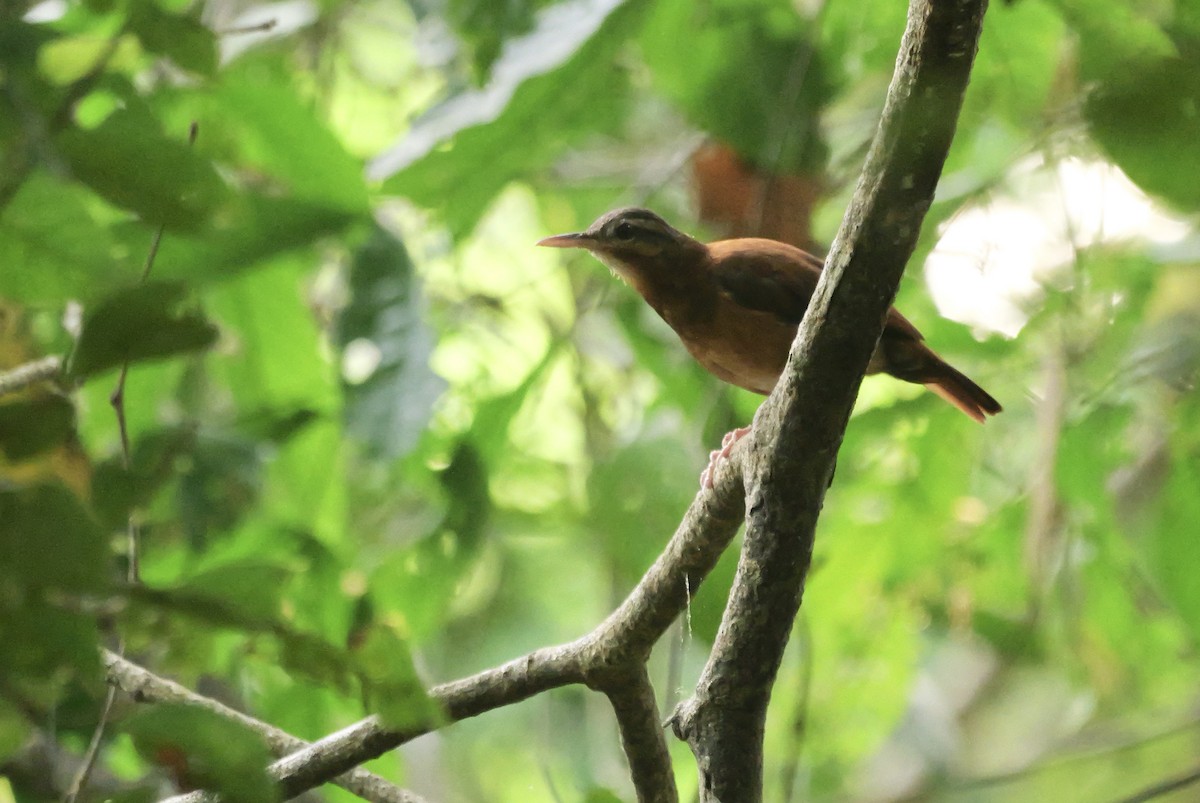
717	455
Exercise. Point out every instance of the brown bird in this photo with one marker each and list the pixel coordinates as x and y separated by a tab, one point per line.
736	305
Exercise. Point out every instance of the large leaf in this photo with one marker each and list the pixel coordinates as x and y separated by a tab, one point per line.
484	26
204	750
128	161
183	39
1172	550
139	323
55	244
1147	121
48	541
1114	34
390	683
547	88
251	229
389	398
745	72
255	122
31	426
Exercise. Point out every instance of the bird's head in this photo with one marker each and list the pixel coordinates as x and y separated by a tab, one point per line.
632	242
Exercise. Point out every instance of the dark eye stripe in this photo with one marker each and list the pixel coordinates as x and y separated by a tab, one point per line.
644	229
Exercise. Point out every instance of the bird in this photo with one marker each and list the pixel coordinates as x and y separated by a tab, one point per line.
736	305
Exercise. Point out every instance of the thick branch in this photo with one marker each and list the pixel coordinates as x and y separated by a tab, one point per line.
143	685
619	644
798	430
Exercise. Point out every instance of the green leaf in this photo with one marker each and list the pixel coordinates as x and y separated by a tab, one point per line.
485	25
1171	547
48	541
128	161
390	682
724	64
55	243
1148	120
469	505
248	591
246	598
270	127
14	730
46	646
390	398
32	426
205	750
251	229
548	88
135	324
1114	34
182	39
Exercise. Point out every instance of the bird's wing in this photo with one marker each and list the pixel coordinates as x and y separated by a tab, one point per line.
777	278
766	276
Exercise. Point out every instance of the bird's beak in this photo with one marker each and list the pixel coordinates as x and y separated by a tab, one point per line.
577	240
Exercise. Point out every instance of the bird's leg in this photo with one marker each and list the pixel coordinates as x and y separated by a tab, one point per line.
716	455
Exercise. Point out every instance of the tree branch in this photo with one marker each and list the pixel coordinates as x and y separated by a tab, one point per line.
616	649
28	374
632	699
145	686
798	430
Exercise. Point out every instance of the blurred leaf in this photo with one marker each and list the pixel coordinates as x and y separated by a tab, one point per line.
245	592
128	161
1115	34
728	64
203	750
257	124
55	243
183	39
388	384
137	324
46	644
485	26
493	416
14	730
468	503
221	483
68	59
1088	454
251	229
547	89
390	682
1171	547
48	541
154	460
1147	121
637	497
31	426
276	426
246	597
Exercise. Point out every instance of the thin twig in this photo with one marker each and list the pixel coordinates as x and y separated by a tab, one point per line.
28	374
145	686
1163	787
132	569
259	27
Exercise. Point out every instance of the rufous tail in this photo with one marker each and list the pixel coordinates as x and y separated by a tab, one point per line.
955	387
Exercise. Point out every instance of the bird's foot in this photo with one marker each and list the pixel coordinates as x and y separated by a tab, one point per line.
717	455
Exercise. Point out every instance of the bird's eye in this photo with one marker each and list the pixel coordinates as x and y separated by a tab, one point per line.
623	231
